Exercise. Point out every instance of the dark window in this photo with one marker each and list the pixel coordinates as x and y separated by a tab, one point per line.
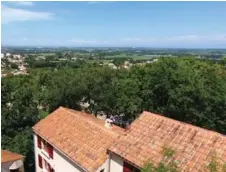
48	148
129	168
48	167
40	161
50	151
39	142
16	170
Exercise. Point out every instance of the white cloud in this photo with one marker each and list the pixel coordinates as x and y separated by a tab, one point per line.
90	42
81	41
137	39
177	39
23	3
185	38
220	37
131	39
93	2
198	38
15	14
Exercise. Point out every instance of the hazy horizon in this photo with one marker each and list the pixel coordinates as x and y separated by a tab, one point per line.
189	25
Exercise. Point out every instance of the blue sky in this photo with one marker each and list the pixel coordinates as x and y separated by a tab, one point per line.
136	24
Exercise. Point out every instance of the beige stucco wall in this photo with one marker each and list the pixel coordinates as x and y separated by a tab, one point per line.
116	163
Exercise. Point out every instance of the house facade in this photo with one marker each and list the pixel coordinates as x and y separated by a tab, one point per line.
73	141
11	162
50	159
150	135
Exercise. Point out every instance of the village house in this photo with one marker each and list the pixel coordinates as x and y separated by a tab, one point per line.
69	140
17	56
8	54
148	135
22	67
11	162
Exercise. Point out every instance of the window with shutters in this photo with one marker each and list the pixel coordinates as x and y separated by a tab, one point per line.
50	151
15	170
48	148
39	140
39	161
48	167
45	145
129	168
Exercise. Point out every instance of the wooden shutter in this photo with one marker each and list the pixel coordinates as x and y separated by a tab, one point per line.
40	161
126	167
39	142
49	168
50	151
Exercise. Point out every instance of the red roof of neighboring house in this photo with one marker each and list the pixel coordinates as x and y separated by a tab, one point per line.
81	136
10	156
148	135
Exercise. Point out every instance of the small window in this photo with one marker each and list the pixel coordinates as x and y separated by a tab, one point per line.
45	145
47	166
48	148
39	142
129	168
39	161
16	170
50	151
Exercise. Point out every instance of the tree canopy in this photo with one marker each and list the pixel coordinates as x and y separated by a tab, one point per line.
185	89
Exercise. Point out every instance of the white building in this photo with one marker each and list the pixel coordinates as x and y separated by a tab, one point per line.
111	65
22	67
150	135
11	162
2	55
8	54
73	141
17	56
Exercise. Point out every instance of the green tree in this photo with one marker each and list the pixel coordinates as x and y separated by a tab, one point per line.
187	90
19	114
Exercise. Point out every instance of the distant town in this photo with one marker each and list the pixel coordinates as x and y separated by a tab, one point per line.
16	60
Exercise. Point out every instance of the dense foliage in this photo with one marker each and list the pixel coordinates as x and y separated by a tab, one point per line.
186	89
19	114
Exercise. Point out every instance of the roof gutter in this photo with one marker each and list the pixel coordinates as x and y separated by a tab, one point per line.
61	151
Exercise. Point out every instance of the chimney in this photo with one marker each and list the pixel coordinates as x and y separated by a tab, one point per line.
108	123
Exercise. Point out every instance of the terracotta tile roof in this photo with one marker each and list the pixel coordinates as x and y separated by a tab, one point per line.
81	136
148	135
10	156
